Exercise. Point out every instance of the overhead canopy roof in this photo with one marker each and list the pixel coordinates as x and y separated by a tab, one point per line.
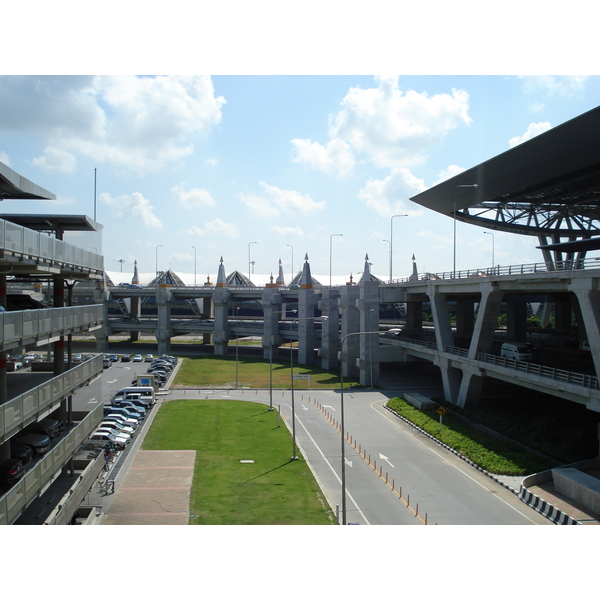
15	187
56	223
549	185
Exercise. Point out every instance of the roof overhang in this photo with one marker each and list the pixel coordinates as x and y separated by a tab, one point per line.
555	172
15	187
56	223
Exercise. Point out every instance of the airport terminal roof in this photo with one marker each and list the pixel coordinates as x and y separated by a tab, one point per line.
15	187
546	186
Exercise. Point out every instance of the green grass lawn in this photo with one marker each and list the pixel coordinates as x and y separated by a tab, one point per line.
210	371
272	490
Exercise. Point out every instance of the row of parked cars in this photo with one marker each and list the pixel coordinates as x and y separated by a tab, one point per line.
161	367
32	441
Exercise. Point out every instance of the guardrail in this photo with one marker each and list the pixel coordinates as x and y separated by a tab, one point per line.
40	323
28	488
37	245
24	409
580	379
526	269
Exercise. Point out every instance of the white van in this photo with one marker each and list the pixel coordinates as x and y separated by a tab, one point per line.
143	391
516	351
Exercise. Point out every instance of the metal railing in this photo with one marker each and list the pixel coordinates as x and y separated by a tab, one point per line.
37	245
19	325
525	269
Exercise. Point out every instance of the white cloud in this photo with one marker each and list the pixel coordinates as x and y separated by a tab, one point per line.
275	201
560	85
395	128
212	162
56	160
136	123
334	159
447	173
193	198
389	196
287	231
215	227
533	130
134	207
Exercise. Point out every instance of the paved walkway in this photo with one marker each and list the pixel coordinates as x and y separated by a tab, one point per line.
155	491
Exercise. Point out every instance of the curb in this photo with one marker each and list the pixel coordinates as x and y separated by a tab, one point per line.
541	506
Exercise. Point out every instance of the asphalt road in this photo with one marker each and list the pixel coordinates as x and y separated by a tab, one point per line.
394	475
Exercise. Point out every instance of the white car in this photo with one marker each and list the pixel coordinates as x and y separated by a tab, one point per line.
137	358
118	426
125	420
103	436
125	437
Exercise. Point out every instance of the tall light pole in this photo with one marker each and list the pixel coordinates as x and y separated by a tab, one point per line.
157	247
493	249
390	253
292	247
121	261
392	240
249	262
194	247
330	250
466	185
342	428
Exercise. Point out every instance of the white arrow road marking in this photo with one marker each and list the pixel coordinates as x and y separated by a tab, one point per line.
387	460
304	407
328	406
93	401
348	462
112	381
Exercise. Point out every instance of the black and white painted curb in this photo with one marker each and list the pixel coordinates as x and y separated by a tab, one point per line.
541	506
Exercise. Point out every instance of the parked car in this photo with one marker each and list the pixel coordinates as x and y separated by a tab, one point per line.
126	358
104	437
106	363
39	442
114	424
137	358
114	357
11	469
121	419
122	410
130	406
121	435
77	358
20	451
51	427
148	358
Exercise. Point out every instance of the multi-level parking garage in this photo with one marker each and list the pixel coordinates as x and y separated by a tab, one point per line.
548	187
34	254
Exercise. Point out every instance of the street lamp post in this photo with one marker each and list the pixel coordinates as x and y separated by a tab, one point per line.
466	185
343	431
392	239
157	247
493	249
249	262
330	250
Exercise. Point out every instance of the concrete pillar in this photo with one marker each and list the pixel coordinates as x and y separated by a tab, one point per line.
465	317
207	313
3	376
330	331
588	299
135	312
487	319
59	346
306	326
516	319
221	327
369	344
271	339
451	378
470	387
563	316
350	323
441	318
163	331
414	317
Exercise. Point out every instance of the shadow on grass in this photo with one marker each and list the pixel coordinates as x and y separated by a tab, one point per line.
270	471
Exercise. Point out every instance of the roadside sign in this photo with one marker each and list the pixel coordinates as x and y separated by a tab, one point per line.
441	411
301	376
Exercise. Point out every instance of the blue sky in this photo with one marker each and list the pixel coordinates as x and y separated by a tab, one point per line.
217	162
